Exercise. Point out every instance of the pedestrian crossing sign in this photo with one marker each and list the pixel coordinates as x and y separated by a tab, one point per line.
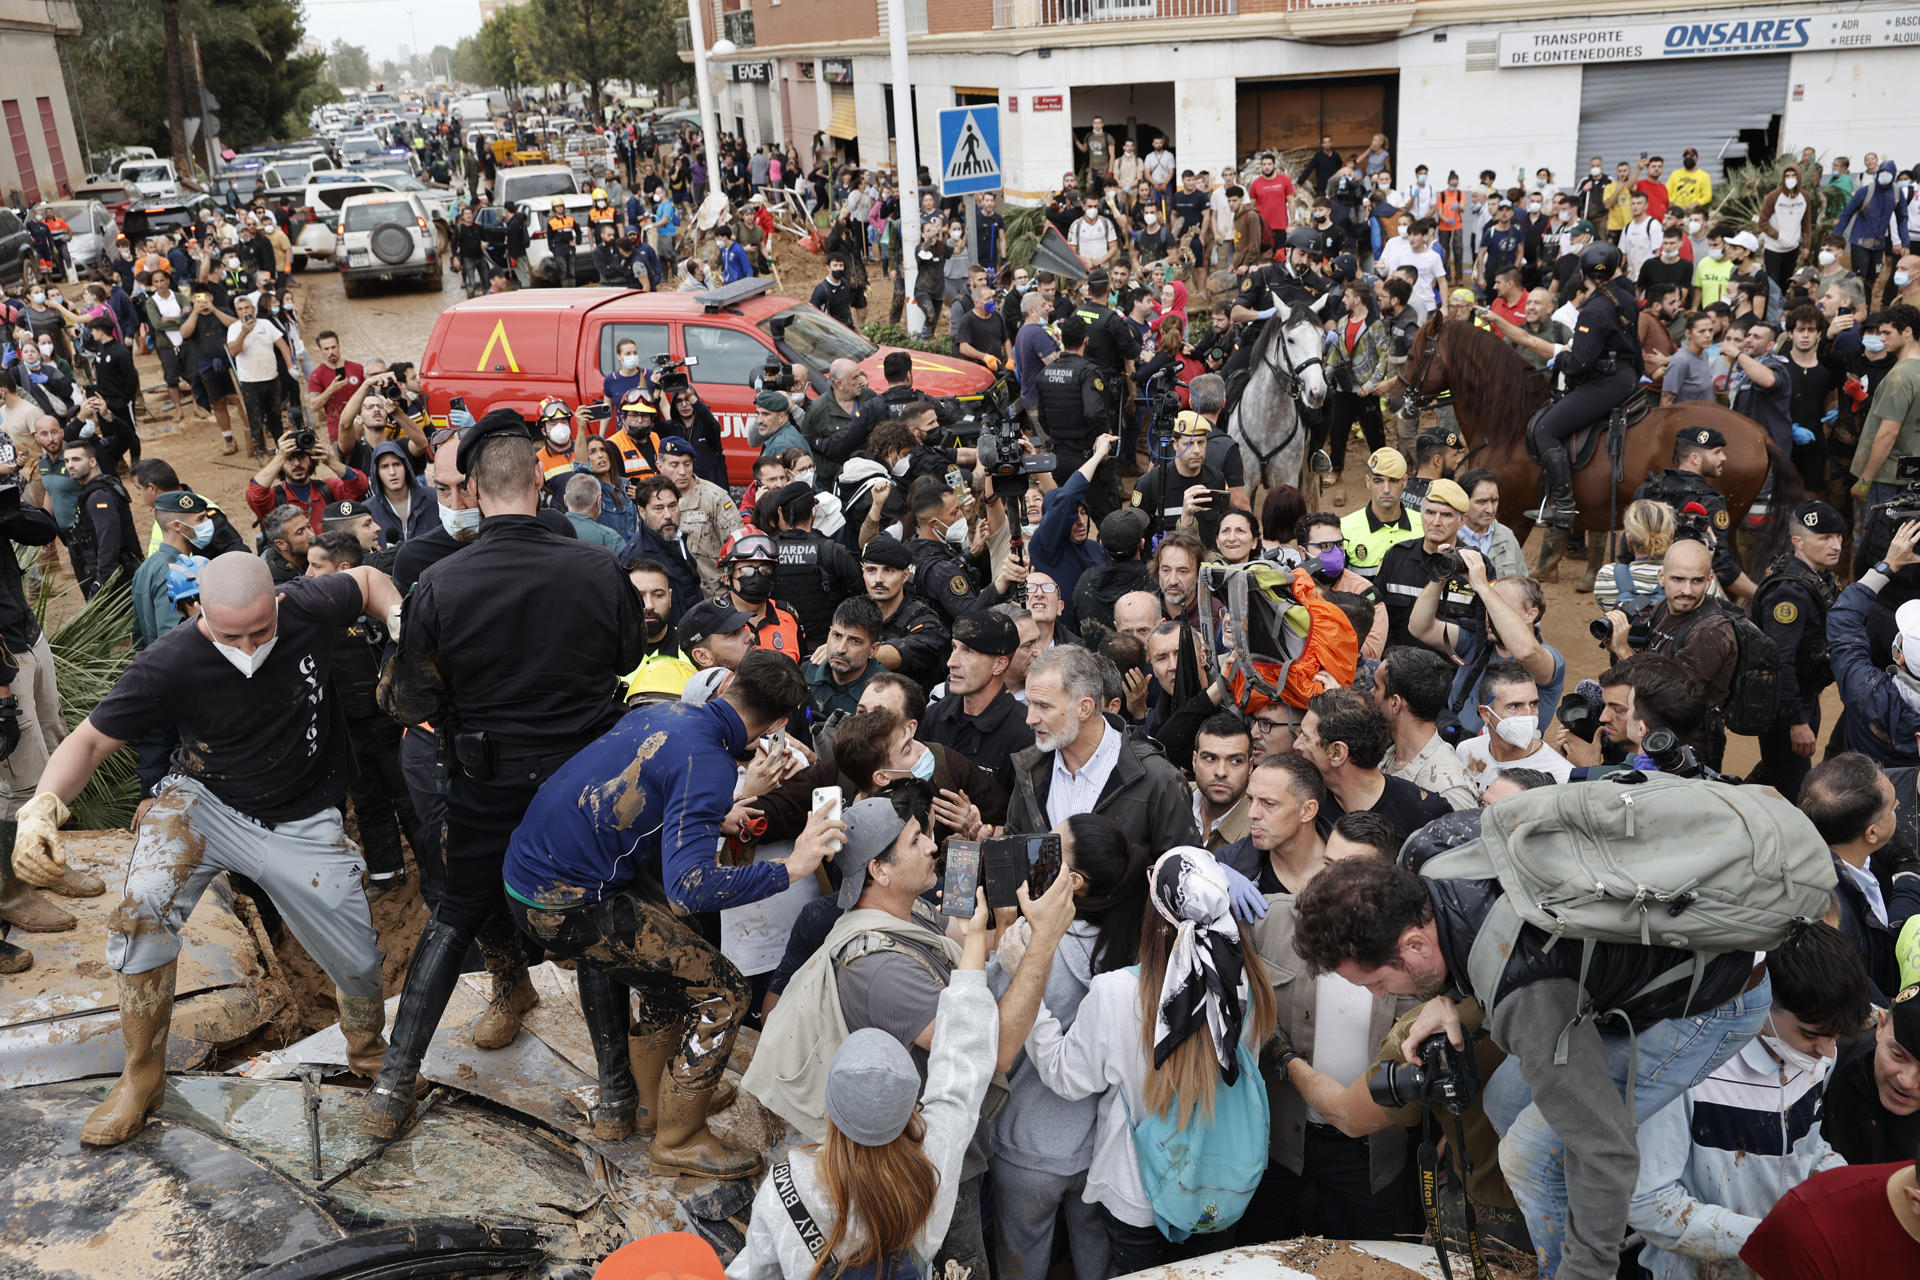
969	150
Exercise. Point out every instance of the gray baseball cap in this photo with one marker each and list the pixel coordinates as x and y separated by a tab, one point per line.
872	827
872	1087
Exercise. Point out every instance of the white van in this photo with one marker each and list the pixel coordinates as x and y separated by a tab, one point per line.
151	177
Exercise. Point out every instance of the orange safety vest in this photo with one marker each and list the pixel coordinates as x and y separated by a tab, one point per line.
563	223
636	461
553	464
600	215
779	631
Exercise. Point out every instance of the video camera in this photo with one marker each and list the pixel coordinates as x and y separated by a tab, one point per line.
670	374
1006	456
776	375
1876	535
1693	522
1444	1075
1163	406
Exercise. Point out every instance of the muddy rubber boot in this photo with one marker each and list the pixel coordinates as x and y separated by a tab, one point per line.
79	883
146	1011
24	907
684	1144
651	1053
430	981
1596	557
14	959
362	1019
608	1007
513	995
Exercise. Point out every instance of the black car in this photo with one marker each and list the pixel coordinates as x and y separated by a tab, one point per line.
13	240
163	214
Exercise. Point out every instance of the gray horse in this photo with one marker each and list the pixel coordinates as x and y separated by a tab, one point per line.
1286	370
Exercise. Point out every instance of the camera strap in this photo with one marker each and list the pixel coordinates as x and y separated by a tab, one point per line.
1429	1164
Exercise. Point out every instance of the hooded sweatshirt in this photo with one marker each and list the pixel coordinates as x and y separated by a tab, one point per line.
1052	548
422	508
1874	209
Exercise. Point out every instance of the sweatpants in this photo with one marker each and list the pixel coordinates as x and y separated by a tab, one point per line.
308	867
1025	1203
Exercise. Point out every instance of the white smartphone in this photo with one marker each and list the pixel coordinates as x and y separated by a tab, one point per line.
828	796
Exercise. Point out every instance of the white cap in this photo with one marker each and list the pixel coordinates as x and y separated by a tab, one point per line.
1906	619
1746	241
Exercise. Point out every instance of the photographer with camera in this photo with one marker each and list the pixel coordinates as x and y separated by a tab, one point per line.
1511	609
288	478
1638	697
1882	704
1791	607
1697	633
1700	453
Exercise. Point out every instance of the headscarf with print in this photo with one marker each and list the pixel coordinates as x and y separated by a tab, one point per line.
1205	983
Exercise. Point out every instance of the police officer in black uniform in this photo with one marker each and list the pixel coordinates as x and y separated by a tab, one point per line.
1113	348
505	723
946	573
1599	370
1699	453
1791	607
912	639
1075	408
1264	291
814	573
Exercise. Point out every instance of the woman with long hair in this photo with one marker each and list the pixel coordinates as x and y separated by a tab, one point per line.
880	1189
1648	527
617	511
1160	1041
1280	513
1043	1143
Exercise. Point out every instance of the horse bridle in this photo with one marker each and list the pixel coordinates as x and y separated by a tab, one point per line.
1418	401
1287	374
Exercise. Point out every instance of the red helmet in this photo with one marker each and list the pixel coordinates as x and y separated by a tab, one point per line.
637	401
748	544
553	408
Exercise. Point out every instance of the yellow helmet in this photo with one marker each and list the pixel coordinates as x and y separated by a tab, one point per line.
660	678
599	193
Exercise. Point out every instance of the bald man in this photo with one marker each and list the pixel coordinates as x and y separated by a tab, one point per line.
1693	629
847	394
1136	614
255	788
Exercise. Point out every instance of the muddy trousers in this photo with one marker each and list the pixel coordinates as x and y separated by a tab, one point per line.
627	944
308	867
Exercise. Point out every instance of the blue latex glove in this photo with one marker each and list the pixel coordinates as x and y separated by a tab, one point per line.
459	419
1265	315
1801	435
1249	904
1830	416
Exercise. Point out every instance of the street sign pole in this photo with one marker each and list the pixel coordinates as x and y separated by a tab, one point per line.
906	149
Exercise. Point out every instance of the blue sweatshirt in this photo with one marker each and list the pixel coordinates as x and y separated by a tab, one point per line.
650	792
1052	549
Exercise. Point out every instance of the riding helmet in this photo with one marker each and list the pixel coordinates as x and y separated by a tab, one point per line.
1600	260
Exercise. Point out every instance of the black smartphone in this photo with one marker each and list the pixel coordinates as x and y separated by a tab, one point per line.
1846	309
1003	868
599	412
1219	499
962	882
456	405
1043	863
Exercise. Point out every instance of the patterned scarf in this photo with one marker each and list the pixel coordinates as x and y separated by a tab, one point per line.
1204	983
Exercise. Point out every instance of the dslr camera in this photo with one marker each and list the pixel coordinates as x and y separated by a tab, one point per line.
1444	1076
1639	613
1445	564
305	441
1876	535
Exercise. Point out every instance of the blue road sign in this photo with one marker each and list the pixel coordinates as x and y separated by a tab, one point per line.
969	150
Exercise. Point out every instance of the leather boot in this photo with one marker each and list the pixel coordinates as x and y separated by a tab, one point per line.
650	1054
430	981
608	1007
513	995
362	1019
24	907
14	959
684	1144
146	1012
1559	510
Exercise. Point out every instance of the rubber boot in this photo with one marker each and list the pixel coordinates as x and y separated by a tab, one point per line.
14	959
1557	467
362	1019
24	907
608	1007
430	981
146	1011
650	1054
684	1144
513	995
1596	558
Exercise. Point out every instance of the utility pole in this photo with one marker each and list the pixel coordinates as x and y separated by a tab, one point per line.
709	121
906	146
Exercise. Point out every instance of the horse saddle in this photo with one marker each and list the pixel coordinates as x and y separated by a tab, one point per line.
1585	442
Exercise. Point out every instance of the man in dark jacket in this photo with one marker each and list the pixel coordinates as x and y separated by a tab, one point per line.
1854	807
104	539
978	717
1123	536
1882	715
1061	547
401	503
117	381
1082	763
1568	1149
912	639
659	538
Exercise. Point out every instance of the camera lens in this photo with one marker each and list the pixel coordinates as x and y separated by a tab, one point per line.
1397	1084
1600	629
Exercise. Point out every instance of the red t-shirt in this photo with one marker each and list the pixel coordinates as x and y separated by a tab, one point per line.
1836	1225
322	377
1656	196
1270	196
1514	314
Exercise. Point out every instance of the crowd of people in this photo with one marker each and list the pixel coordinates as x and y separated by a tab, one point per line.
1256	729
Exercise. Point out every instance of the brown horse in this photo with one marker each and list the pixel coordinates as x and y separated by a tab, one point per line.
1495	395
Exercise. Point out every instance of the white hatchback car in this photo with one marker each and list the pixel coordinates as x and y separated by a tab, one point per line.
385	236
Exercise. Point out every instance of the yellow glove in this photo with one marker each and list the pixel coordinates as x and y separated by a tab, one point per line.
37	858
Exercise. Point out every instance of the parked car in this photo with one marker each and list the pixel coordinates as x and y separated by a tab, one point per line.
541	182
316	212
90	230
151	177
154	216
13	241
513	349
118	197
385	235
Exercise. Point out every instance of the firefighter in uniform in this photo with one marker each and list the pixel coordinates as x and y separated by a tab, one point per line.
1385	521
912	639
556	423
1112	348
814	573
747	562
1599	369
1075	409
505	724
1700	452
603	214
561	239
1791	607
638	437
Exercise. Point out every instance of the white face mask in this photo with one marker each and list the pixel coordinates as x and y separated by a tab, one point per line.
46	347
1790	183
1693	227
1828	257
463	525
1519	731
1793	1060
1028	530
957	532
559	435
900	465
248	663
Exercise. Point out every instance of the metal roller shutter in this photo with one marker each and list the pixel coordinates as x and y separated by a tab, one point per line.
763	110
842	123
1629	107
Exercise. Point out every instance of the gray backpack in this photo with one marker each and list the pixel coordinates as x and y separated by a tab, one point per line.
1706	867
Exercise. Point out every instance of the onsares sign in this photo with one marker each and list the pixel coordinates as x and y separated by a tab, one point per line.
1733	34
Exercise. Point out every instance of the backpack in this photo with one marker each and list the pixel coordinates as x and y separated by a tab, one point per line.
1754	695
1200	1179
1705	867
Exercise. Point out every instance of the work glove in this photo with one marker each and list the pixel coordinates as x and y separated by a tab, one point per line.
9	725
1249	904
1801	435
394	615
37	858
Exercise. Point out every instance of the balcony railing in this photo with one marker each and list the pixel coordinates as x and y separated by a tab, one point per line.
1047	13
738	27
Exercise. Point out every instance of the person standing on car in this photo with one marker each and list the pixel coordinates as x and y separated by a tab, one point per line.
507	725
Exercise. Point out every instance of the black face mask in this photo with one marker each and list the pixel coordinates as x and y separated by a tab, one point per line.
754	585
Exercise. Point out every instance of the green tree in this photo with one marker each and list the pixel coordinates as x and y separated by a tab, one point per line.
347	66
658	65
592	41
492	58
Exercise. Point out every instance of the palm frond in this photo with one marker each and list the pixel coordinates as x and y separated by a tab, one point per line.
91	650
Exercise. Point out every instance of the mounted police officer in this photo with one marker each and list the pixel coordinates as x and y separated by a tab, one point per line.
1791	607
1268	289
1075	408
1598	371
1698	454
